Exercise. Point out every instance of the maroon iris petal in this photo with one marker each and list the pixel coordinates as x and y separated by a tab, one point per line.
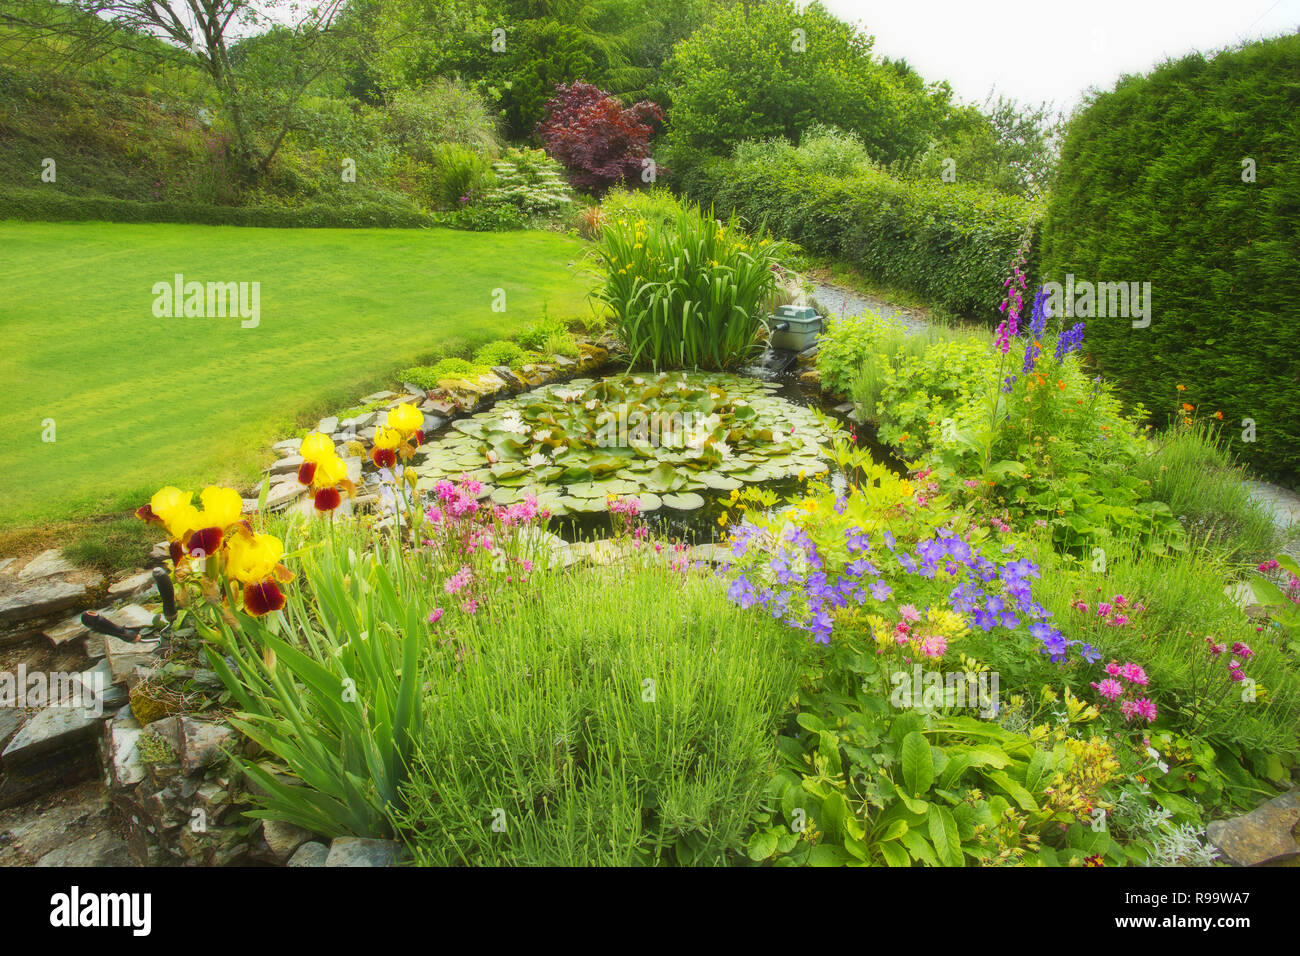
306	472
203	542
263	597
327	499
384	457
175	549
145	513
418	438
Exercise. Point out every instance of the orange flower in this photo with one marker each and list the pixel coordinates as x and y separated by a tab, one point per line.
1186	407
1219	415
1182	388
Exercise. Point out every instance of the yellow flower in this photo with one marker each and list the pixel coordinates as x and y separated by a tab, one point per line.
387	437
174	509
252	557
722	519
406	418
222	507
315	447
330	471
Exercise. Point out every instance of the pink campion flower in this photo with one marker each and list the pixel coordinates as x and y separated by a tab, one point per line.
435	615
470	606
1269	565
1242	650
1134	674
458	580
1138	708
1108	688
526	564
1103	609
1113	668
971	483
1119	620
908	612
1080	606
1236	674
640	531
934	645
1214	647
1120	600
1139	608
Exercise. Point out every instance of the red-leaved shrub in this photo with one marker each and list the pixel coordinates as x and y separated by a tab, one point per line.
597	139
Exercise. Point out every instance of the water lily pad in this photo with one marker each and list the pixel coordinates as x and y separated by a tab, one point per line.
685	501
718	481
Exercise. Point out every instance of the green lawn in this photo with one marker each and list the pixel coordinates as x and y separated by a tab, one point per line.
139	401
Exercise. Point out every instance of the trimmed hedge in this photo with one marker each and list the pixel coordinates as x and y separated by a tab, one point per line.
51	206
952	244
1150	189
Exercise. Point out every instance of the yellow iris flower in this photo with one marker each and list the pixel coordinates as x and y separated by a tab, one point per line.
387	437
406	418
251	557
174	509
316	447
222	507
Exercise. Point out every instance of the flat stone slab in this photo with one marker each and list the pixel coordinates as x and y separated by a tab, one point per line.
125	764
45	564
287	466
130	615
95	849
1265	834
70	630
47	596
130	586
50	729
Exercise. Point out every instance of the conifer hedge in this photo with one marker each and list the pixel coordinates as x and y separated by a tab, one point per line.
1189	178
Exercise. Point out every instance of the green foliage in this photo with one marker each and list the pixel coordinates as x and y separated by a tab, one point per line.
948	243
428	376
847	345
459	175
1190	468
633	732
747	74
333	693
1151	190
1009	148
500	352
530	183
535	336
421	120
656	204
690	294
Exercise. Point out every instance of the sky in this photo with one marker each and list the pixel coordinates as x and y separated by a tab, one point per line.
1053	50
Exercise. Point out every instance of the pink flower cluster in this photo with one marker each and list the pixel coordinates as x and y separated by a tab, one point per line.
1114	613
456	501
1121	685
1240	652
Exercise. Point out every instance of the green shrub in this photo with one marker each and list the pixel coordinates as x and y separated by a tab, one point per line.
560	343
582	732
1150	189
1190	468
428	376
531	184
951	244
692	294
656	204
500	352
848	344
50	206
423	120
460	175
534	337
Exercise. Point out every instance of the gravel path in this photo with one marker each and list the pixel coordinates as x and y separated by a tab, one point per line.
840	301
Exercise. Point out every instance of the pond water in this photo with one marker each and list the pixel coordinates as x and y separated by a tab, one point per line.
700	525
